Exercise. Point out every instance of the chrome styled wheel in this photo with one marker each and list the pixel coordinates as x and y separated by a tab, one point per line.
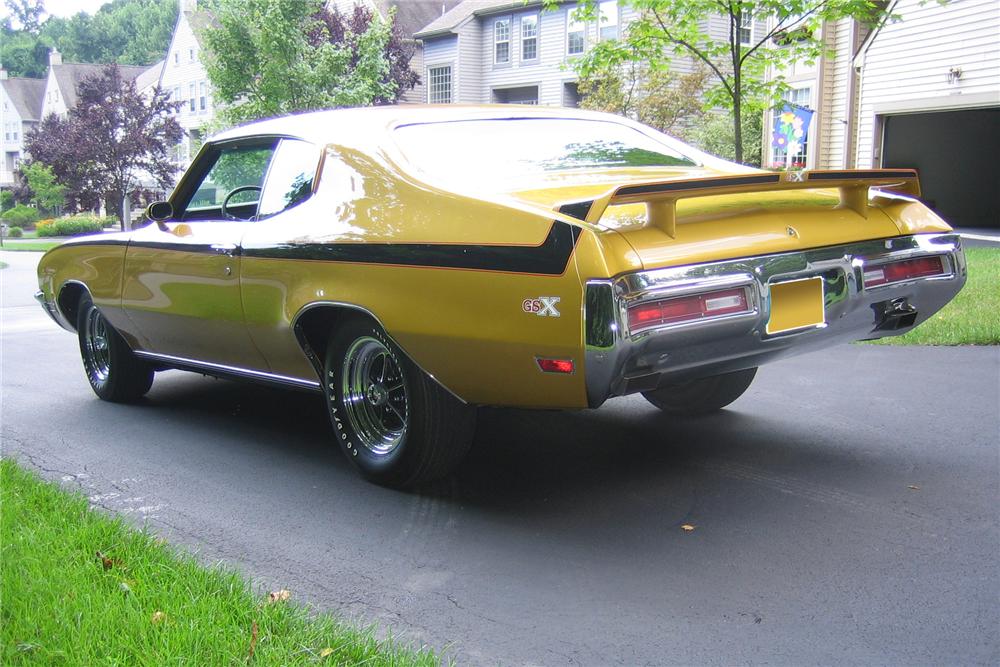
113	371
96	350
374	395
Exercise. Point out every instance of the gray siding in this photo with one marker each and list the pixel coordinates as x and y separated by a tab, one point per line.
441	51
469	54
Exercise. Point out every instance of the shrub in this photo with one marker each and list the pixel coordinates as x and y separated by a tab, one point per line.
20	215
72	226
15	232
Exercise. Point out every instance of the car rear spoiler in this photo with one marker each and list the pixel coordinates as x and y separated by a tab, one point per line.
661	197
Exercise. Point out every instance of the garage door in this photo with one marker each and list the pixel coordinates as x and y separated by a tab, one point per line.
957	153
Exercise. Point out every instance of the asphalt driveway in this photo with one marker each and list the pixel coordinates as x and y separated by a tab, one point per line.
845	509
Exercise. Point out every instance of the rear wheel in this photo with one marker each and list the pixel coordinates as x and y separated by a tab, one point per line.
702	396
395	424
114	372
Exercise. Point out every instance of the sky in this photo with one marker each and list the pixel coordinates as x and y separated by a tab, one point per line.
66	8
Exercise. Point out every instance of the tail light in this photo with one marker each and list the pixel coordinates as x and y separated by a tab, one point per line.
555	365
690	308
907	269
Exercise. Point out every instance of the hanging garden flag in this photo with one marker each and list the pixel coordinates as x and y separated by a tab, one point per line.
791	130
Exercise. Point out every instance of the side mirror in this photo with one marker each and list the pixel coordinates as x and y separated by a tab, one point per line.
159	211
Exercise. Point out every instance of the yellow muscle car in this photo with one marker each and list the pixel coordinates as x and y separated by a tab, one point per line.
412	263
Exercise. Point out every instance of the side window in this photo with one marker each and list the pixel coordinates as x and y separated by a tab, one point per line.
290	179
232	182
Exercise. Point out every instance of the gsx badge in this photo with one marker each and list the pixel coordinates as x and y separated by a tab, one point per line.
543	306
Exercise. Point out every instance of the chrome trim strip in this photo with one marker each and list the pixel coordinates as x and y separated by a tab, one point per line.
193	364
617	361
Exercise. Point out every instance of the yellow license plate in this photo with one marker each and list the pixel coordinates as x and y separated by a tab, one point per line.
796	304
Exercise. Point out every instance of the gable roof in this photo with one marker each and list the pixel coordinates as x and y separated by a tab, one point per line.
458	15
68	75
26	94
150	77
412	15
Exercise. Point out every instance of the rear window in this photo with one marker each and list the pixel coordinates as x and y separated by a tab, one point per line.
511	149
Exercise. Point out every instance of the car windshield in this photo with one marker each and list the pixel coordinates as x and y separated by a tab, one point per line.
507	150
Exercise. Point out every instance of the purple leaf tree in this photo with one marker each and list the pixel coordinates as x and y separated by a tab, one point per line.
114	143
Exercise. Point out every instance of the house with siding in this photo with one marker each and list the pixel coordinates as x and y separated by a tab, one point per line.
920	92
184	78
516	52
20	111
63	78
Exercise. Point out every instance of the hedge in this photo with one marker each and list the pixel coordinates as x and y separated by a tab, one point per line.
20	215
72	226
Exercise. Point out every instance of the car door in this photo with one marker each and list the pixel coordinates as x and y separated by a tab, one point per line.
182	278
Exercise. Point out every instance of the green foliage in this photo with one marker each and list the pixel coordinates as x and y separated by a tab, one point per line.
21	215
128	32
656	97
6	200
714	134
81	587
76	225
272	57
15	233
47	194
668	29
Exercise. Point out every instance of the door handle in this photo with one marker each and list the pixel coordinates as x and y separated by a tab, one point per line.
227	249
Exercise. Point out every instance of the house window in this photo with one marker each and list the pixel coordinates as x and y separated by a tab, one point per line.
439	90
608	26
177	57
501	41
575	31
746	27
529	37
201	96
191	105
191	55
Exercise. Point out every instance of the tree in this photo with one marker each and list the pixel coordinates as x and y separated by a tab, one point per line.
738	62
128	32
46	193
111	141
272	57
28	13
658	98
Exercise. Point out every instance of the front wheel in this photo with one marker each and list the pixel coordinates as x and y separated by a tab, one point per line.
702	396
114	372
396	425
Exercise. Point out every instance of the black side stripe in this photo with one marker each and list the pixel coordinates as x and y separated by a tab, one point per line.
550	258
678	186
838	175
577	209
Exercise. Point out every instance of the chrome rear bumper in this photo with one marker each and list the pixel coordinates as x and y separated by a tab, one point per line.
618	362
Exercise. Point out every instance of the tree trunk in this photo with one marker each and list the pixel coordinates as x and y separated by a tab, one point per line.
737	106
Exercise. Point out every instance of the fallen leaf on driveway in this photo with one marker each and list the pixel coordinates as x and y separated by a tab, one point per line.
913	487
278	596
687	528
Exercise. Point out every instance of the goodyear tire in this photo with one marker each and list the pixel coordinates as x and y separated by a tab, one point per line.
396	425
702	396
113	371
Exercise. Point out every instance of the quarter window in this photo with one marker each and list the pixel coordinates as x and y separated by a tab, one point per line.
529	37
575	31
439	88
290	177
608	26
501	41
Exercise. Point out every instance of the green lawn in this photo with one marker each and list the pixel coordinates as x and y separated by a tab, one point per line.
973	318
82	588
30	246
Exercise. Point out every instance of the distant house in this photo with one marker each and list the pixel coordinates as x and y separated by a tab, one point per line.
20	111
183	76
922	92
63	78
411	16
516	52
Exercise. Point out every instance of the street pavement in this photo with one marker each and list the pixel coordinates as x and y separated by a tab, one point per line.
845	509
